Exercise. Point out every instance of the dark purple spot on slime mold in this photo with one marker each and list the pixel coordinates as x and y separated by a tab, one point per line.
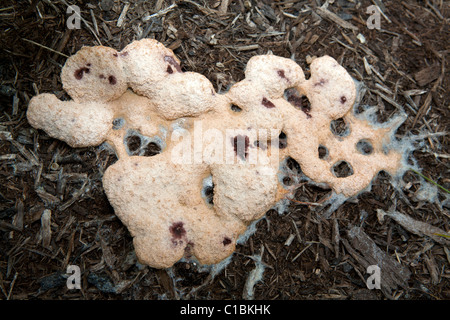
79	73
173	62
102	76
267	103
343	99
226	241
169	70
240	144
177	230
124	54
88	64
112	80
320	83
281	74
115	55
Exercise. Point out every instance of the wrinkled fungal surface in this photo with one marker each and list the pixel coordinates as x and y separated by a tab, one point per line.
195	167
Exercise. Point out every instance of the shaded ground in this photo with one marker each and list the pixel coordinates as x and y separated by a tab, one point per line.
326	258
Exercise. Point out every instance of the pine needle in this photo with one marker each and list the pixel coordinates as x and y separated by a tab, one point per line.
429	180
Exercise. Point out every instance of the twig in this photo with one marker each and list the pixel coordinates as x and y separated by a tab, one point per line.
387	99
42	46
327	14
123	14
436	11
300	253
224	6
94	21
12	286
242	48
307	203
160	13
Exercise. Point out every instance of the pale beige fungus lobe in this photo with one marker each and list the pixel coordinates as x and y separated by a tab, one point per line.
196	206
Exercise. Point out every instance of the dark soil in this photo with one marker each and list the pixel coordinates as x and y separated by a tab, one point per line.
37	172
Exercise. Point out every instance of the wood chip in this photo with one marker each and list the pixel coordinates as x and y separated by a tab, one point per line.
289	240
367	253
427	75
432	268
123	14
46	231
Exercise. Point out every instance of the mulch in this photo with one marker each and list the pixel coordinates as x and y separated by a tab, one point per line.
54	213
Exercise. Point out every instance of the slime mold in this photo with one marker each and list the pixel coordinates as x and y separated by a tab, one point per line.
195	167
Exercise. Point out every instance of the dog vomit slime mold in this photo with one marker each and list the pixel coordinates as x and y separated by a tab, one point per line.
186	183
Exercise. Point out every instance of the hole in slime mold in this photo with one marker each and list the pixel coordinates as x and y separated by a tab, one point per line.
235	108
208	190
133	142
139	145
151	149
209	193
323	152
342	169
293	165
287	181
364	147
340	128
118	123
282	140
298	100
